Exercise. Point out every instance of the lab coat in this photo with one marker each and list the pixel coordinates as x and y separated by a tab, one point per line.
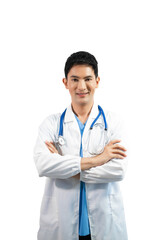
59	215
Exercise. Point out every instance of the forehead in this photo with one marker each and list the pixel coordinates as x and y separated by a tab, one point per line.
81	71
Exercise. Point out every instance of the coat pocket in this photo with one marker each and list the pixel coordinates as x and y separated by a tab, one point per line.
97	139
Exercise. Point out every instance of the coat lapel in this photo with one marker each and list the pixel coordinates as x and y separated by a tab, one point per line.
92	116
70	118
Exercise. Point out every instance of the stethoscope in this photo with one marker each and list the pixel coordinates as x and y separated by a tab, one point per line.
61	140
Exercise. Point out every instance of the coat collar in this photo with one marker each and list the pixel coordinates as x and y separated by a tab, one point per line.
69	116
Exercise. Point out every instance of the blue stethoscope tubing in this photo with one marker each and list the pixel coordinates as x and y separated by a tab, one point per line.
60	136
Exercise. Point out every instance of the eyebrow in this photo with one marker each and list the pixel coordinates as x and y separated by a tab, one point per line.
74	76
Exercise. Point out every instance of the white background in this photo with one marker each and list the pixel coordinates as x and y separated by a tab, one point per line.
36	37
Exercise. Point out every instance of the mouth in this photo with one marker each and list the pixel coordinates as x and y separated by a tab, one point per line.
82	94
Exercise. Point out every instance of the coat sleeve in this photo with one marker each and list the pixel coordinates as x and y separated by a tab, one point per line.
49	164
115	169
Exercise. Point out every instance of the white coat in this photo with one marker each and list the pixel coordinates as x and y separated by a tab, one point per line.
59	217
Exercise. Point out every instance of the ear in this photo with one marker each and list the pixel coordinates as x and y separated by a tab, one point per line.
65	82
97	81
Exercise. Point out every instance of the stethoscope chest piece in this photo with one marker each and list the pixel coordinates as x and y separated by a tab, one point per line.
61	140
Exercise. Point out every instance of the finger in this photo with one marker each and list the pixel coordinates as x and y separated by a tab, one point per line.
52	149
119	147
118	156
50	144
117	151
114	141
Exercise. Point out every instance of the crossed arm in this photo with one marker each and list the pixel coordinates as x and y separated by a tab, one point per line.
108	166
112	150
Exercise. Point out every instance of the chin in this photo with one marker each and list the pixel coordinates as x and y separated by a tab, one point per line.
83	102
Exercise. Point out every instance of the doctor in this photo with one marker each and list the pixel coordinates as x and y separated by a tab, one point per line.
82	154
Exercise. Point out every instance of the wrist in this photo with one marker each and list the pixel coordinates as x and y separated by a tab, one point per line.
86	163
89	162
98	160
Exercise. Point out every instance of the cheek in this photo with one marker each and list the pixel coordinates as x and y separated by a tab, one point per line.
72	91
92	88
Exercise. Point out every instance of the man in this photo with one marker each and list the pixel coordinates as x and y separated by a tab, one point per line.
80	153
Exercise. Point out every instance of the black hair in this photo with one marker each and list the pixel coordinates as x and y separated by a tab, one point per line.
81	58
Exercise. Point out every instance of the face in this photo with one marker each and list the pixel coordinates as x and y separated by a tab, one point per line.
81	83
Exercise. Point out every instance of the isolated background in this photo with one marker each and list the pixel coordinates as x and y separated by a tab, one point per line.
36	37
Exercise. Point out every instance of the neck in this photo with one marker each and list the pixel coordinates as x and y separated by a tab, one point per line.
82	110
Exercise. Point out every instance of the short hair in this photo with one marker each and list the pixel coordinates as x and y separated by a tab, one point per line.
81	58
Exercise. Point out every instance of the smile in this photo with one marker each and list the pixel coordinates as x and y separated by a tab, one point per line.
82	94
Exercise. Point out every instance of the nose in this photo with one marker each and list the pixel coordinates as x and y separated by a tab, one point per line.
81	85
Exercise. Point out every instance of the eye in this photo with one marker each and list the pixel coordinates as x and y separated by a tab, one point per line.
88	79
74	79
